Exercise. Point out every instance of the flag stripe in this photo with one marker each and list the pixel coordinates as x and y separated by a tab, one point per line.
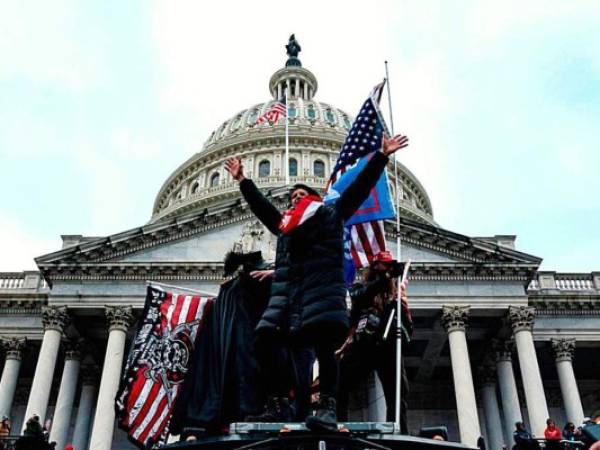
146	402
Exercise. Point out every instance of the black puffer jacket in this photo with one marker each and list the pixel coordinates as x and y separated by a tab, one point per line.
308	291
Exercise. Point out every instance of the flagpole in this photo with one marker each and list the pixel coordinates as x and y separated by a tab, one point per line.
287	142
398	255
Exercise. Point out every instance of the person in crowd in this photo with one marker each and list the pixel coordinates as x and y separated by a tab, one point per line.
552	435
307	309
481	443
569	431
223	383
4	431
5	427
371	343
523	439
33	436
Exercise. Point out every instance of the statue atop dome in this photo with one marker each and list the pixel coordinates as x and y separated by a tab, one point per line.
292	49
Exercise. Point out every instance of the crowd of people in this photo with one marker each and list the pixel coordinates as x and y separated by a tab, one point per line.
35	436
586	436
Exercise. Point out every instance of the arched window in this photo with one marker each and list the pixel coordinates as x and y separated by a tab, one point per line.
293	167
264	168
347	124
251	120
311	112
195	187
329	116
214	180
319	168
236	122
292	111
223	130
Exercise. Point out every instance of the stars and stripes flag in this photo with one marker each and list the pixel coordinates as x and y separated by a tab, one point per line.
276	111
159	358
364	231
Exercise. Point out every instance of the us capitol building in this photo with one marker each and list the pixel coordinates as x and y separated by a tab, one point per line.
496	340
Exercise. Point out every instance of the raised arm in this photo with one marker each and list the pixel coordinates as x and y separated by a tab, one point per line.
260	206
358	191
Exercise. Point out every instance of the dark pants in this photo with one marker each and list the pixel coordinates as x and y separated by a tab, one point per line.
361	359
288	365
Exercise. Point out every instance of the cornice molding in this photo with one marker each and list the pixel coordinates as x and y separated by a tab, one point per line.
92	260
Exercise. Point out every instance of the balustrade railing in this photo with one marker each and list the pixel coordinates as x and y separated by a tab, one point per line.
11	280
564	282
22	280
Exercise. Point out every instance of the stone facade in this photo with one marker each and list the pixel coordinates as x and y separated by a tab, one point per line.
477	302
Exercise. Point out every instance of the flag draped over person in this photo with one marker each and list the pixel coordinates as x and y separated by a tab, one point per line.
364	232
159	358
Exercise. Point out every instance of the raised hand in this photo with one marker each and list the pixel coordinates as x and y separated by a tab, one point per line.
262	274
391	145
235	168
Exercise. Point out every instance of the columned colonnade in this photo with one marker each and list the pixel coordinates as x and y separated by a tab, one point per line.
455	319
497	371
55	320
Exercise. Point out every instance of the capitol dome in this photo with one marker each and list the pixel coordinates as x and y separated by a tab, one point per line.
316	133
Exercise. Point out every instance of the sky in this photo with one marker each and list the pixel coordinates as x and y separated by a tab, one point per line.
101	101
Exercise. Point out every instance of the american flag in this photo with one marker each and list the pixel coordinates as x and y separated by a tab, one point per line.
273	114
160	356
365	136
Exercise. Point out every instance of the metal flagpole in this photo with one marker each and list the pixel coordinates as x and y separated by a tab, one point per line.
398	255
287	142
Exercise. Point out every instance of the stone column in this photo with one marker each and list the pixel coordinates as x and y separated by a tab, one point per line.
521	319
10	375
119	319
55	319
508	388
66	394
81	433
454	319
493	423
563	353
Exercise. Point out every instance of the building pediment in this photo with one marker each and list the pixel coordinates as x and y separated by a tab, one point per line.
201	240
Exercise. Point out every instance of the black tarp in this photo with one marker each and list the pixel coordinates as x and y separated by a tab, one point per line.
223	385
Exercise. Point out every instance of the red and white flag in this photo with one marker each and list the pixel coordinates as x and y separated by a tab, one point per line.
160	357
273	114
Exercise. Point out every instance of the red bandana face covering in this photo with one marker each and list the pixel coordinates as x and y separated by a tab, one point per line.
304	210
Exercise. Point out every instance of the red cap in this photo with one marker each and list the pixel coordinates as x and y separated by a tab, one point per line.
383	257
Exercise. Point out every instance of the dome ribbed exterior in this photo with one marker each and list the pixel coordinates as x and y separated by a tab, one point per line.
316	133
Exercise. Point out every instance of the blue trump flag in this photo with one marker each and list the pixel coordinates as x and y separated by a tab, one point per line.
377	206
364	234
